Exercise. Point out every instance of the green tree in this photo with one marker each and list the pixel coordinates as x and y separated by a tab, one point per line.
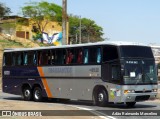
42	13
4	10
90	31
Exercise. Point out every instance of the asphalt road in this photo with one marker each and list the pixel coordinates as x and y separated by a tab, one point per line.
103	112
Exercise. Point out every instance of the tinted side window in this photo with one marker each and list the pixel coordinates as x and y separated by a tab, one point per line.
30	58
78	56
110	53
60	56
92	55
44	57
7	60
17	58
70	56
95	55
85	58
53	56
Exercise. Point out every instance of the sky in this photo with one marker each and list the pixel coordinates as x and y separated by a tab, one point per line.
121	20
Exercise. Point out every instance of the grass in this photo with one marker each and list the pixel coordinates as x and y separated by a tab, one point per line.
9	44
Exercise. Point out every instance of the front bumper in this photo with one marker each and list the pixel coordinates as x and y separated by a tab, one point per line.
137	97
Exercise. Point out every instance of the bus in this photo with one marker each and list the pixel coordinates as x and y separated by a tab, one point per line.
103	72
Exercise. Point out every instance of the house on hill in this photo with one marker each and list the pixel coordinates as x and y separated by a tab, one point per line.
25	28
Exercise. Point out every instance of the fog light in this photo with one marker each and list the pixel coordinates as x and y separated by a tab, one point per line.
129	97
154	90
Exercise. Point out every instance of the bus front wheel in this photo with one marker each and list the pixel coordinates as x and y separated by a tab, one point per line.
101	98
37	94
130	104
27	94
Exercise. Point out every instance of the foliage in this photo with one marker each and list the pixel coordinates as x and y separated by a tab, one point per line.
42	13
23	21
37	36
4	10
90	31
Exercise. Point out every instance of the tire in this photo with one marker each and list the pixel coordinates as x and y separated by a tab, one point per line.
101	98
130	104
27	94
37	94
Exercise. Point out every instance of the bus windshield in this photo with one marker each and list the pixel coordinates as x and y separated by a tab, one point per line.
139	72
136	52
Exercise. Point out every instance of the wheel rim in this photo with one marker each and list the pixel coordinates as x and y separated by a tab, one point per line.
37	94
100	97
27	93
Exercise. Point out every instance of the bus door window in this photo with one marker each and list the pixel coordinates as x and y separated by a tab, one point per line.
115	73
85	56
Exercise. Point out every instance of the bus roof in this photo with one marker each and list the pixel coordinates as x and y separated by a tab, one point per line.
115	43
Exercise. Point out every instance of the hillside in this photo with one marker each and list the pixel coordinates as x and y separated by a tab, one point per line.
13	42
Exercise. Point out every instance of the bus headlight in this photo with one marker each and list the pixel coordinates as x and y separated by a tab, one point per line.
129	91
154	90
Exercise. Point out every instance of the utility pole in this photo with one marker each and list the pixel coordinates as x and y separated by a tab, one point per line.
64	22
80	31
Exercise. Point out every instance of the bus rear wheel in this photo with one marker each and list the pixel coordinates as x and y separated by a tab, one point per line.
130	104
101	98
37	94
27	94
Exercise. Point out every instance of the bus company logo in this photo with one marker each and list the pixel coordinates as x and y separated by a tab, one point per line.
6	72
6	113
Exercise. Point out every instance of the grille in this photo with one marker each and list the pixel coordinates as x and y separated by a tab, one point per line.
147	91
142	98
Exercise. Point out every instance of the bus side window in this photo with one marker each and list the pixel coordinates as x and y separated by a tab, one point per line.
25	58
59	57
69	57
98	55
43	57
85	60
13	59
19	58
7	60
35	58
79	56
30	58
52	56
